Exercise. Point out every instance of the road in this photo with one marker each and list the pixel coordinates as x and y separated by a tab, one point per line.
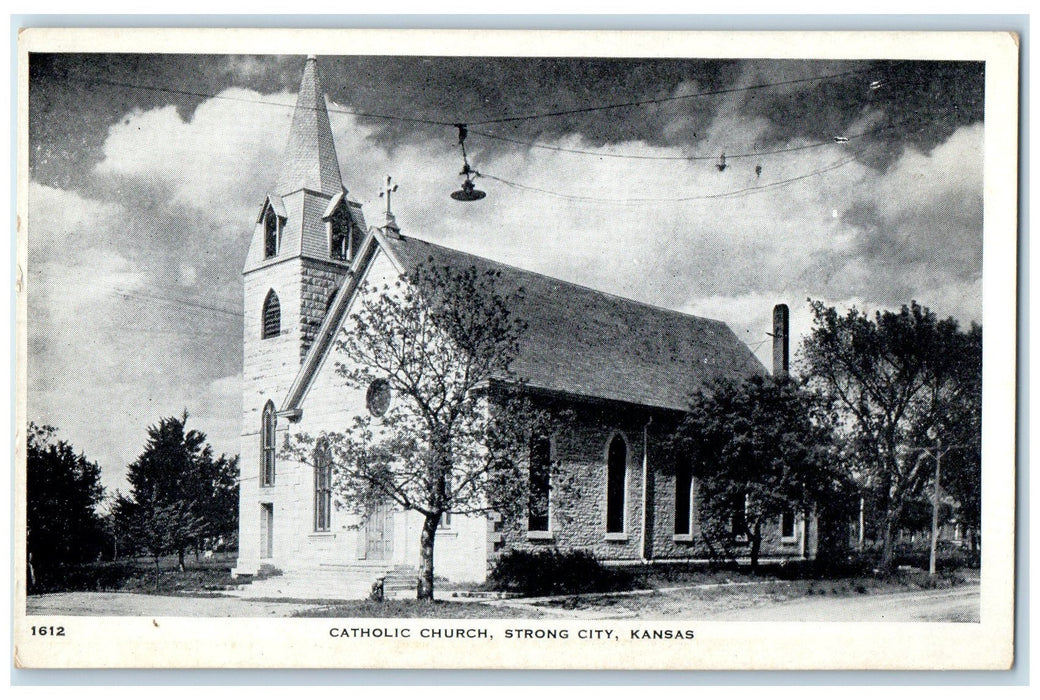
137	604
960	604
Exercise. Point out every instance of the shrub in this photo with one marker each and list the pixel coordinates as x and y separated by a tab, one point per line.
554	572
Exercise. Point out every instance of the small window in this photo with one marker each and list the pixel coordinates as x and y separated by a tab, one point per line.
445	520
267	445
617	458
272	317
272	229
538	498
322	486
683	499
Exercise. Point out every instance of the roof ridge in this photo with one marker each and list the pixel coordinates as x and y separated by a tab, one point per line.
568	282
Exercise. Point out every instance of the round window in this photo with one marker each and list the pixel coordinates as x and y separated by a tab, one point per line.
378	397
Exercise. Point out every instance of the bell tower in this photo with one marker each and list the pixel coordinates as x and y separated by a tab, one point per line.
305	236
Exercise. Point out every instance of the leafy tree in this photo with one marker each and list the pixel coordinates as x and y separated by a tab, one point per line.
179	494
454	437
895	376
759	449
63	490
961	432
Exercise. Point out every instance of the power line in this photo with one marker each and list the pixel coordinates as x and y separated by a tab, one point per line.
659	100
652	200
454	122
633	156
247	100
144	296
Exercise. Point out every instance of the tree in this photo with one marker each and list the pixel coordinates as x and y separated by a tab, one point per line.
63	490
961	430
894	376
179	494
759	449
453	436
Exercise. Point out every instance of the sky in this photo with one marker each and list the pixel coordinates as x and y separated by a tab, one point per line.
855	182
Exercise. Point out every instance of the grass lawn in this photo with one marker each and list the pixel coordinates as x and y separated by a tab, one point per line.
137	575
684	600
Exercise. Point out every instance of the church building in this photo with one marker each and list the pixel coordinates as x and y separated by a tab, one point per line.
625	371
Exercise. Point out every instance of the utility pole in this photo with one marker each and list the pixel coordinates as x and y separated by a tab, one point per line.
933	434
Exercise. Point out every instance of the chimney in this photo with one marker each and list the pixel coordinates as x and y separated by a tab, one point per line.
781	342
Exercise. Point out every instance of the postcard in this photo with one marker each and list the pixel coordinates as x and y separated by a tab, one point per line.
515	349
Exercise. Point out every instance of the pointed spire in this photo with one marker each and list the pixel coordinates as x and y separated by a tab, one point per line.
310	157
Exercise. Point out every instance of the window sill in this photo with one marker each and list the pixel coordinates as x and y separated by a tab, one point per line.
616	537
447	533
682	538
540	536
322	536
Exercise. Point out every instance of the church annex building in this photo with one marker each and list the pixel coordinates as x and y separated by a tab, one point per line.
624	369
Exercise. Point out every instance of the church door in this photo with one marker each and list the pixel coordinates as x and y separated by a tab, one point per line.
379	533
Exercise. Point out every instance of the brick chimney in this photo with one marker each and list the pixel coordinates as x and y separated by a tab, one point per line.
781	341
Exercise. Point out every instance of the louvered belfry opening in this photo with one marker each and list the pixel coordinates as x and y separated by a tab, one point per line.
272	317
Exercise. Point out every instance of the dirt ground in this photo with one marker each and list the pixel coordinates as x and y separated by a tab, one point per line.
136	604
778	601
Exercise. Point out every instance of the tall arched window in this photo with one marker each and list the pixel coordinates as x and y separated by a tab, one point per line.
270	233
322	486
538	498
617	459
272	317
267	443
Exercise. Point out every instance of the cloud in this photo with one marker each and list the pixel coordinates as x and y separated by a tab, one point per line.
179	196
216	162
110	350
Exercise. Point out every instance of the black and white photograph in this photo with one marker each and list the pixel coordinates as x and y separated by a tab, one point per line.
516	349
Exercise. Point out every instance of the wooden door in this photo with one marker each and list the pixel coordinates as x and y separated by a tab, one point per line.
379	533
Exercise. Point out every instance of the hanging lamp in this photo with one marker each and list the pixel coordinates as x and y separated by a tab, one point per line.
469	191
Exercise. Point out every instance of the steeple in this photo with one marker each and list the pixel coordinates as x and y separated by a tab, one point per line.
310	157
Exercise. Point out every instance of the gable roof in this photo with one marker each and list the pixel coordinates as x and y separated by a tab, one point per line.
589	343
579	341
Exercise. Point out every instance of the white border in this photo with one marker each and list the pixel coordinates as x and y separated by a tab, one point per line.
184	642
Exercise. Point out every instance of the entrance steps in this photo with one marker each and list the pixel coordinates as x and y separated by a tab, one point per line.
332	582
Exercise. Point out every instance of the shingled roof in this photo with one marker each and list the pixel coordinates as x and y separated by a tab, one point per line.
588	343
310	156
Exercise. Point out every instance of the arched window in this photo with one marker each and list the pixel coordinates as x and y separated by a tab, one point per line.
538	498
271	231
322	486
267	443
617	458
272	318
683	499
